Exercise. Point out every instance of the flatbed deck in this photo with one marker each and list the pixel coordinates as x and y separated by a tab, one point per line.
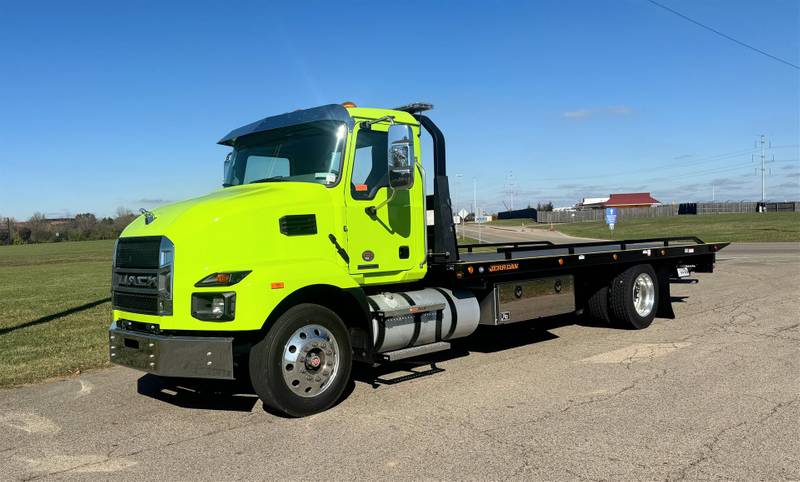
531	256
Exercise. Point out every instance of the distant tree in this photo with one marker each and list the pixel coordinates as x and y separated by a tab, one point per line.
85	224
39	229
548	206
123	219
23	235
6	230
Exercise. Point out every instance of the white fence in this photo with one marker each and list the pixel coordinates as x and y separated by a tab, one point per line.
746	207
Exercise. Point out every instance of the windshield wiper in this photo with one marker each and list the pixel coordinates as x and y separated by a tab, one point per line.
270	179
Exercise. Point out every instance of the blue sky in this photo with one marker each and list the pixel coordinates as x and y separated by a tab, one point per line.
109	104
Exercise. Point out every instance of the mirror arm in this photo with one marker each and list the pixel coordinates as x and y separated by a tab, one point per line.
368	124
373	210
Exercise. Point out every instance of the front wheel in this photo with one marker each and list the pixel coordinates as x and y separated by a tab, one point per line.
303	364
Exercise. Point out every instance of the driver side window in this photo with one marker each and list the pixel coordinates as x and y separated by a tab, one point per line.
370	167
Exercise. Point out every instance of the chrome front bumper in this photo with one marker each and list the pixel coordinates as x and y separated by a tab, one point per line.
172	356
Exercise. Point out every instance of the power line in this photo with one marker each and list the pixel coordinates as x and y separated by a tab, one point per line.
671	166
724	35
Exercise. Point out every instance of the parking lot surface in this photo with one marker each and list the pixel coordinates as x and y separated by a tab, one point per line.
714	393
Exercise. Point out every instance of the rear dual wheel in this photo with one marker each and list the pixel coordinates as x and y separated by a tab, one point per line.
629	301
303	364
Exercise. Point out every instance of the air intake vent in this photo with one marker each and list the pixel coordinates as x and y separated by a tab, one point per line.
298	224
147	304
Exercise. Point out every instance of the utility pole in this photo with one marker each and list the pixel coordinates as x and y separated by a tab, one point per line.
712	192
457	194
456	197
475	201
475	197
763	168
511	186
510	189
763	171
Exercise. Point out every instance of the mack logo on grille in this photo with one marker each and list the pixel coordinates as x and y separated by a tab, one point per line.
136	281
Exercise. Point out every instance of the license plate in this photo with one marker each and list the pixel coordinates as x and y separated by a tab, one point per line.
683	272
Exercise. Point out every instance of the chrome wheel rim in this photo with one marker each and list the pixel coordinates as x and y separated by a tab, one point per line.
644	294
310	360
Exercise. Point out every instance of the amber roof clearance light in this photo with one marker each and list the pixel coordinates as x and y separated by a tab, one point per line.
348	105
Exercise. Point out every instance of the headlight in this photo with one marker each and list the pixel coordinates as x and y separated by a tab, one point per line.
214	306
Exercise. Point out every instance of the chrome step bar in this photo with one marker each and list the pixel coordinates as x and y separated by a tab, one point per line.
415	351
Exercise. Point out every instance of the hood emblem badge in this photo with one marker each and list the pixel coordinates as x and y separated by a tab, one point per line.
149	217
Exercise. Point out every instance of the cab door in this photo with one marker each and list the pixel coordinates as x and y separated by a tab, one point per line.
385	233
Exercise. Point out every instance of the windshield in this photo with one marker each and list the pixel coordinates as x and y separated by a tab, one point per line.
306	153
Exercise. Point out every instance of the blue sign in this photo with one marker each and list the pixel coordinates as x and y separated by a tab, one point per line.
611	215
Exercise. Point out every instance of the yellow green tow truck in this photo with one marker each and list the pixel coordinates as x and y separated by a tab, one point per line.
318	252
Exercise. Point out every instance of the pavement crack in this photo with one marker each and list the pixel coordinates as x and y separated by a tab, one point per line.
710	447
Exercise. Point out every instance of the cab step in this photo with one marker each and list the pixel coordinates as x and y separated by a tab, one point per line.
415	351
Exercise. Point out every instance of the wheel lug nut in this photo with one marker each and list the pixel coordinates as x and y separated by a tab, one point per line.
309	378
318	379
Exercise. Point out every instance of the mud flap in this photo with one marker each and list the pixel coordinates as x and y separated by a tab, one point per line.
664	296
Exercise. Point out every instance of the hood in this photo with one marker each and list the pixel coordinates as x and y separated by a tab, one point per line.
235	209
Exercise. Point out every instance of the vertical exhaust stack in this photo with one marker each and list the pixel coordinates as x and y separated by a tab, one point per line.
444	247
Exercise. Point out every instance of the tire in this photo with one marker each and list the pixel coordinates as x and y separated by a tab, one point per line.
302	365
597	305
634	297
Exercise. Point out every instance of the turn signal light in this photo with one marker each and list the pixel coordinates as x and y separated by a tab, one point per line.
222	279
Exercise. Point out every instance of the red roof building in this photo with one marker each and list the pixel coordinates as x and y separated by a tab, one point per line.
631	200
621	200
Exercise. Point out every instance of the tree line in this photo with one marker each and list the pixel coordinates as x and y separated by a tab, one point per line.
83	227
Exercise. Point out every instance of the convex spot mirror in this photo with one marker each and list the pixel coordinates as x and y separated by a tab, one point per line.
401	157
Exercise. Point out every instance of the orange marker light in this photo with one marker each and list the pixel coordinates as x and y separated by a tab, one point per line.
663	252
362	188
561	261
470	269
348	105
276	285
615	256
223	278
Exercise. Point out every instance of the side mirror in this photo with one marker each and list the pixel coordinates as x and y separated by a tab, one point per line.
226	167
401	157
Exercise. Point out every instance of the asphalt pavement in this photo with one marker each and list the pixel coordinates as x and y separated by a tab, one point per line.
713	393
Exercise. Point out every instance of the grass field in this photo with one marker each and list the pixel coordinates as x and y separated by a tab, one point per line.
54	300
720	227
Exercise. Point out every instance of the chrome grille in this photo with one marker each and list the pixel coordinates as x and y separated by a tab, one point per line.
142	275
